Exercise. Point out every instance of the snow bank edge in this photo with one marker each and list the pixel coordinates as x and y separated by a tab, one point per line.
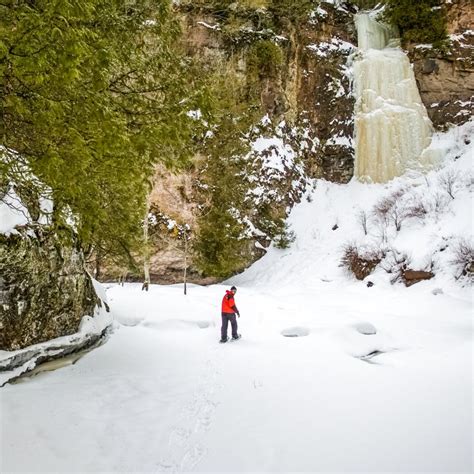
92	332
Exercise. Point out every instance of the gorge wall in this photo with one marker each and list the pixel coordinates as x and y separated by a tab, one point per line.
306	112
303	127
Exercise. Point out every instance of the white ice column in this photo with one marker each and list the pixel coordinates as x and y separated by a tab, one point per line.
392	127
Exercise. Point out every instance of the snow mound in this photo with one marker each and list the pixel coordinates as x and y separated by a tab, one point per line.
12	213
297	331
365	328
92	331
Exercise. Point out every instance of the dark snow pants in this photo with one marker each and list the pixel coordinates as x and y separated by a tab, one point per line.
226	317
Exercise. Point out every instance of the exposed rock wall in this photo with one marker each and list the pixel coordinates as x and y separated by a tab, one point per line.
44	289
311	95
314	88
446	78
324	91
172	195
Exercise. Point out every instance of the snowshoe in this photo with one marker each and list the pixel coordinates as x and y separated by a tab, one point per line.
237	338
222	341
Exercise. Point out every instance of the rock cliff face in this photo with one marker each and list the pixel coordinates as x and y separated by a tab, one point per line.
314	87
172	195
308	106
44	289
49	307
446	78
324	95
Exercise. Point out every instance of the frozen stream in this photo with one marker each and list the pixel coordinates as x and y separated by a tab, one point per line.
163	396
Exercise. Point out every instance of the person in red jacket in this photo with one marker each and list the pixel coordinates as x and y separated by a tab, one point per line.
229	310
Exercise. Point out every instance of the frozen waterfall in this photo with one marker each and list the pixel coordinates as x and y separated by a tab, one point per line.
392	127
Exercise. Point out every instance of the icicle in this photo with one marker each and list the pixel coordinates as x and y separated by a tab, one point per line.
372	35
392	127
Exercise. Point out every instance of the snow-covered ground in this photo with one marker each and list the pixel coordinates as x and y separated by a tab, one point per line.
163	396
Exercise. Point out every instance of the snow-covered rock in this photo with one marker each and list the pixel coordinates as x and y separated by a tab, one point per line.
45	292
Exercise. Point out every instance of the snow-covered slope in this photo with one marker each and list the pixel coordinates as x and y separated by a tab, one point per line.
434	213
375	379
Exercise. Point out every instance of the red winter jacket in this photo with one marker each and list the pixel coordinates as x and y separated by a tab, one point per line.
228	303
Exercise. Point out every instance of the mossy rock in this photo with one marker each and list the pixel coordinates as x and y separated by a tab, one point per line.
44	289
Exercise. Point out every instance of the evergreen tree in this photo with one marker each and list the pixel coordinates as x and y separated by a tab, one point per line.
221	247
291	10
423	21
93	94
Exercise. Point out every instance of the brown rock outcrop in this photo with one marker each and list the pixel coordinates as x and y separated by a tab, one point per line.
410	277
446	78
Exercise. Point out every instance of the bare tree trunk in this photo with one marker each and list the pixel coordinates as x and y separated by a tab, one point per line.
97	265
146	253
122	278
185	259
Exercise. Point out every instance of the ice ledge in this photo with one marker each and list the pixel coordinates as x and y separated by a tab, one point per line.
93	331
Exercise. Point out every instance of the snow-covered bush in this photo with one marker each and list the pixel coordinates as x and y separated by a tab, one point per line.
463	260
439	202
400	205
395	263
450	181
363	218
417	209
361	260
